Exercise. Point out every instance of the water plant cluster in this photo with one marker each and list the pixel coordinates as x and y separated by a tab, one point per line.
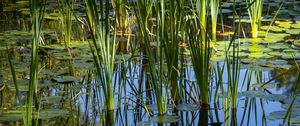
149	62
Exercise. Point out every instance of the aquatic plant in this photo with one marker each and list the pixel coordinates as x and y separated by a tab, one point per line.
200	56
169	27
143	11
255	13
37	10
14	78
103	49
214	10
201	6
65	8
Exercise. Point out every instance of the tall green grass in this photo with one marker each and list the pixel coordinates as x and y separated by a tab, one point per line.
154	60
102	47
37	9
65	8
201	6
200	56
255	13
169	25
14	77
214	8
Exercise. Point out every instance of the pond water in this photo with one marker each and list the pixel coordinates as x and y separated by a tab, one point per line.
255	82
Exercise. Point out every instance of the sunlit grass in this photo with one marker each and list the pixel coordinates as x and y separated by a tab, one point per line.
37	13
255	13
102	47
214	8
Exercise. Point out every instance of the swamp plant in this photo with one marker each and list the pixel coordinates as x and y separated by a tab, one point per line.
169	28
157	82
37	9
255	13
214	9
102	47
200	56
65	8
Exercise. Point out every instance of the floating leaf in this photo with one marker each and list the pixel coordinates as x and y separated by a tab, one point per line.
275	53
278	46
294	120
272	28
284	24
247	61
275	97
293	31
153	107
259	55
296	25
218	58
280	114
276	115
278	62
46	72
165	119
11	117
262	85
291	56
52	99
253	94
51	113
258	68
64	79
187	107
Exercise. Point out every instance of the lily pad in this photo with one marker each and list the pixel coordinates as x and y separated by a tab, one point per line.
258	68
262	85
296	25
153	107
275	53
275	97
280	115
291	56
64	79
51	113
259	55
46	72
293	31
254	94
278	62
276	115
283	66
165	119
187	107
278	46
52	99
218	58
284	24
11	117
247	61
295	121
272	28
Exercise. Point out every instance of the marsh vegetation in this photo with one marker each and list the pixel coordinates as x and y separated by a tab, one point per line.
149	62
